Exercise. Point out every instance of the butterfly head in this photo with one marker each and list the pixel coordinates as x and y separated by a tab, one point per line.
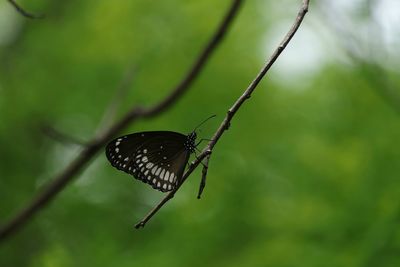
190	143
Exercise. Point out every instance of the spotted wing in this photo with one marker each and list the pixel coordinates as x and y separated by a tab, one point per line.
155	158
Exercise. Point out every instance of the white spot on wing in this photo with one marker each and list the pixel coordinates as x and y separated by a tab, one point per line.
162	174
149	165
154	169
126	159
116	150
171	178
117	143
145	159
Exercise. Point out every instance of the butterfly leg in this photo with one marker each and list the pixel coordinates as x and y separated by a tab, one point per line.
201	162
189	164
203	139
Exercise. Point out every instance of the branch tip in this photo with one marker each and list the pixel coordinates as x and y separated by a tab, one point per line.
204	173
140	225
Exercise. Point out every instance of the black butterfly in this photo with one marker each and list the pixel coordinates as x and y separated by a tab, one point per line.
156	158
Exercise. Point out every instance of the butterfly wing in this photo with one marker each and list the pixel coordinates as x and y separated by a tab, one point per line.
156	158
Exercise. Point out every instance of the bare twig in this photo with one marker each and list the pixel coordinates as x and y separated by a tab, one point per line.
203	176
94	146
232	111
23	12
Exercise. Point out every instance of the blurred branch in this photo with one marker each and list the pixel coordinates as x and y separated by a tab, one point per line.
61	137
108	116
94	146
121	92
370	66
232	111
380	238
23	12
378	77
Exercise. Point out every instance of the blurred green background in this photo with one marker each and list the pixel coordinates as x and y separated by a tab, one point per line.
307	175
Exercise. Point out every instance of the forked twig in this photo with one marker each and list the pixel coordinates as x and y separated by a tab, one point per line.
97	143
232	111
203	175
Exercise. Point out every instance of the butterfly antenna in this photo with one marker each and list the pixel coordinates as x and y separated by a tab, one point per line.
204	122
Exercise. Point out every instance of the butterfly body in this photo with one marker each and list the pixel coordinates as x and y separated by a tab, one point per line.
157	158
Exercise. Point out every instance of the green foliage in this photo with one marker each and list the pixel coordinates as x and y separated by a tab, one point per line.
307	175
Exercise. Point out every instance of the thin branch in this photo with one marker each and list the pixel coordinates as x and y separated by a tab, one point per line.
23	12
232	111
82	160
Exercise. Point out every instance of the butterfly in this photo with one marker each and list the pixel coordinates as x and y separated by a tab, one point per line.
157	158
